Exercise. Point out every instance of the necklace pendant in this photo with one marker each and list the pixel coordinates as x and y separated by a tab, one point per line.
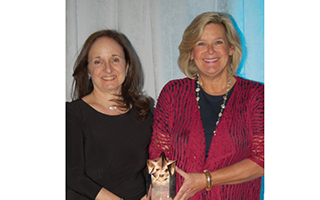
112	107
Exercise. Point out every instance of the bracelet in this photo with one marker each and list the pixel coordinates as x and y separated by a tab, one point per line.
209	179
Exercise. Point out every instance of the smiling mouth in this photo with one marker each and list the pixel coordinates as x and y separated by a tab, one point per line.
109	78
211	60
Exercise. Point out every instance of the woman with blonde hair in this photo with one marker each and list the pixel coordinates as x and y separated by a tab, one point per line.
212	121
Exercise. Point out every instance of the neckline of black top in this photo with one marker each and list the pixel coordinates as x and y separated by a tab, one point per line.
210	106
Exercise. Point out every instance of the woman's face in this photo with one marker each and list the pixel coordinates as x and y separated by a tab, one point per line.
107	65
212	51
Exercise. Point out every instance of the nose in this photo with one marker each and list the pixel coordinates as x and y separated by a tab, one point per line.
108	67
210	49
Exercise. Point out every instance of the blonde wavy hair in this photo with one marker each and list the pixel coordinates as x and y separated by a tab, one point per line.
193	34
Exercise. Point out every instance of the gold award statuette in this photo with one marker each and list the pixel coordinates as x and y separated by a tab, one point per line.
162	178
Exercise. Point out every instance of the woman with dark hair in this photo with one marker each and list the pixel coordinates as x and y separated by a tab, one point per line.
109	122
212	121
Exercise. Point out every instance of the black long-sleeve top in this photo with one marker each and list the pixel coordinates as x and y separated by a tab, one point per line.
105	151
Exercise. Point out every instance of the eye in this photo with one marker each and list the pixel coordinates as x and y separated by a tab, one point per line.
219	42
96	62
116	60
201	44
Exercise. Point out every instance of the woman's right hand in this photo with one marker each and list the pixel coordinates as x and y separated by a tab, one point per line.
193	183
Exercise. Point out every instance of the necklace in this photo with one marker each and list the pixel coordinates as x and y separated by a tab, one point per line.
223	105
110	107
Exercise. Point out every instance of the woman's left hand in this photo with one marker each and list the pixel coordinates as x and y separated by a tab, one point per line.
193	183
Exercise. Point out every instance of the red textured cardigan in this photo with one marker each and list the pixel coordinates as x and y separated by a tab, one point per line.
178	131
